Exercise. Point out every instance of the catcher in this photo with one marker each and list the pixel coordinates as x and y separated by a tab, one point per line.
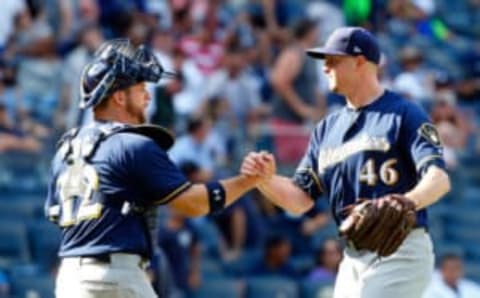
109	177
379	162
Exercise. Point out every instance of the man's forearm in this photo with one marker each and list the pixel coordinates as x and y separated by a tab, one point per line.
284	193
433	185
194	201
237	186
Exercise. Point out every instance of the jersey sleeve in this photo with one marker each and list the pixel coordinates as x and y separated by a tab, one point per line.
421	139
159	178
305	175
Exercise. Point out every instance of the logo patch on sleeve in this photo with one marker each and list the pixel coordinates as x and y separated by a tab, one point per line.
430	133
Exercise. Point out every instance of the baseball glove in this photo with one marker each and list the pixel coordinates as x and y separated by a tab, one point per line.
379	225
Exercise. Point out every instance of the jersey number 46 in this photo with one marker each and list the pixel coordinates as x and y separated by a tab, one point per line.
386	172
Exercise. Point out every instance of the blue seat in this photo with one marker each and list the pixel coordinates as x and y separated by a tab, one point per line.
21	209
24	270
463	234
209	236
13	243
230	288
302	263
327	232
316	289
464	216
44	238
443	248
243	264
42	285
211	268
260	287
472	270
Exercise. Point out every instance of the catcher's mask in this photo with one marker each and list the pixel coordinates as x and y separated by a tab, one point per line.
117	65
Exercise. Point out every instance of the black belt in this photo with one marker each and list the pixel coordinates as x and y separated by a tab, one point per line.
96	259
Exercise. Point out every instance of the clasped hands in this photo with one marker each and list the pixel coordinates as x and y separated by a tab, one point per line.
260	165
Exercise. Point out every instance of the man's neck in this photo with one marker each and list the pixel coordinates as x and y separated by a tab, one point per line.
110	117
364	94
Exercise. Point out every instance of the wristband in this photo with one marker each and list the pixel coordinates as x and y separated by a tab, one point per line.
216	196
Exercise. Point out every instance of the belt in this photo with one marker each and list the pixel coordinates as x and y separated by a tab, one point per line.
96	259
114	259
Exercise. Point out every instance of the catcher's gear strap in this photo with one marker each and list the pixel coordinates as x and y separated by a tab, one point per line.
90	143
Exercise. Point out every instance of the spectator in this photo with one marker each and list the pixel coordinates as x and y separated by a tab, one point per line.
235	85
449	282
415	82
85	12
200	146
13	139
454	126
194	173
328	259
179	242
300	229
11	9
420	16
276	256
242	228
297	100
189	99
161	110
4	285
203	48
39	66
10	95
68	113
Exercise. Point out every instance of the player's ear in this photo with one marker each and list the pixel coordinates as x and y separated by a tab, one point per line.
360	61
119	98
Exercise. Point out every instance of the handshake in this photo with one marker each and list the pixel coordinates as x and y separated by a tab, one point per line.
260	165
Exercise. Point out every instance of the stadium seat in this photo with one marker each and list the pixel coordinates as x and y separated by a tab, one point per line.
211	268
464	215
316	289
24	270
243	264
443	248
463	234
13	243
42	286
44	240
20	209
327	232
472	270
230	288
275	287
302	263
209	236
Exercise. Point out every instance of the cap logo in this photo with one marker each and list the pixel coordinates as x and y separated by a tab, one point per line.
357	50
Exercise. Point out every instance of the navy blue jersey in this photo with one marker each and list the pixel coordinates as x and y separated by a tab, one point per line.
91	201
384	147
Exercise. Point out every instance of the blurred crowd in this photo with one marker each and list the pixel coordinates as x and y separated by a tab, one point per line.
243	84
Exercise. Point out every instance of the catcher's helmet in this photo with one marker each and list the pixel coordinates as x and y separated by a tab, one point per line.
117	65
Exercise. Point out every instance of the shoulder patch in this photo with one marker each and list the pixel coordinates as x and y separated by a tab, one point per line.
430	133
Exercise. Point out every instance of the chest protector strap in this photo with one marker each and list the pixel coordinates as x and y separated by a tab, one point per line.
73	146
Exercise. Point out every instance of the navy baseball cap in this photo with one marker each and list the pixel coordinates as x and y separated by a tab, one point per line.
349	41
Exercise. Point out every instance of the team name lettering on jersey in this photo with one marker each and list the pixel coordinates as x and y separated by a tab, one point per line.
331	156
